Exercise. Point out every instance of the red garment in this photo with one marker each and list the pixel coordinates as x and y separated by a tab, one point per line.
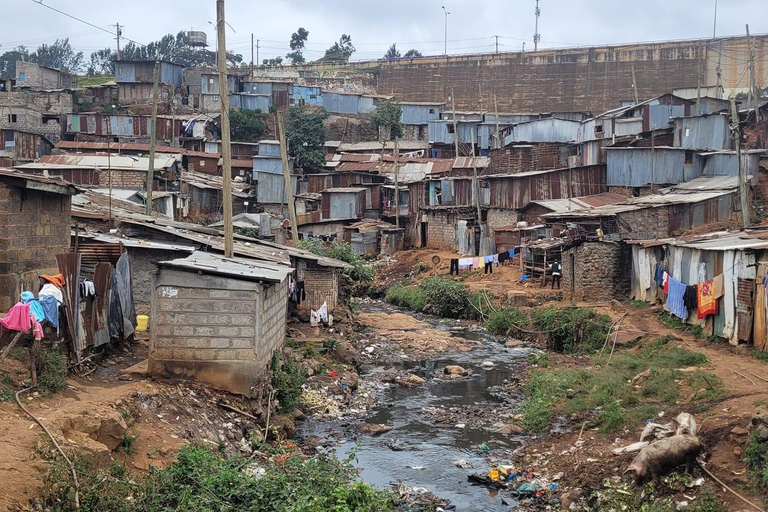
707	300
37	330
666	282
17	318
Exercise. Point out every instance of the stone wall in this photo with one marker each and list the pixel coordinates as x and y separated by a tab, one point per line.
441	230
217	330
128	180
646	224
596	271
143	268
501	218
40	77
34	228
534	212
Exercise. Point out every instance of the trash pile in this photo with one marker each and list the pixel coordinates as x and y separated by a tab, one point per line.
520	483
419	498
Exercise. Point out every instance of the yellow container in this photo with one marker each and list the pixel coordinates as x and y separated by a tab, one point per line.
142	322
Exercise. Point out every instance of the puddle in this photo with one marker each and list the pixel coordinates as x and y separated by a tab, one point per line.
431	447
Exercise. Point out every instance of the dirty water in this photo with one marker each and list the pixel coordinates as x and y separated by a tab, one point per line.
429	449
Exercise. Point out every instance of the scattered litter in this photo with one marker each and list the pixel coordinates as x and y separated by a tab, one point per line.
463	464
417	468
631	448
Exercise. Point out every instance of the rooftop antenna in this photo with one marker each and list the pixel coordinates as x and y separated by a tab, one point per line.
536	35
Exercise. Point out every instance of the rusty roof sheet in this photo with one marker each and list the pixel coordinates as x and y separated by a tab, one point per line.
115	146
36	182
344	190
237	268
357	167
466	162
353	157
579	203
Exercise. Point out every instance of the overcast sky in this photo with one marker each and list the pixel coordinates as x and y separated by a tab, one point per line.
374	25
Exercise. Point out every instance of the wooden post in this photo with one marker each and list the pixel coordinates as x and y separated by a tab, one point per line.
476	186
397	185
152	141
496	113
287	181
455	126
736	129
226	146
698	82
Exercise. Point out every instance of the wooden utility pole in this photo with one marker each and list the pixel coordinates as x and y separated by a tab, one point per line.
251	55
698	82
152	138
496	113
226	146
455	125
634	85
397	185
752	78
287	180
653	159
736	133
476	184
257	52
118	32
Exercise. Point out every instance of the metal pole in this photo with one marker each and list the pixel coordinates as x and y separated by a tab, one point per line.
397	185
714	29
476	185
226	147
152	139
445	48
736	127
287	180
698	83
251	55
455	126
109	170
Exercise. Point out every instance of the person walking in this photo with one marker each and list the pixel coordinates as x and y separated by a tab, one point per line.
557	270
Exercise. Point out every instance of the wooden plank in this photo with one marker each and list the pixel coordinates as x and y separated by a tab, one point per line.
759	333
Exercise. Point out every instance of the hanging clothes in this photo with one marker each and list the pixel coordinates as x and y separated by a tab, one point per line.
475	263
37	331
87	289
27	297
18	318
675	302
322	313
690	298
465	263
718	286
512	253
51	290
56	280
502	256
707	300
454	266
665	280
489	267
36	309
658	276
51	309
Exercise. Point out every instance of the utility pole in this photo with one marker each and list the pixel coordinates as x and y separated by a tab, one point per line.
257	52
226	146
496	113
455	126
251	55
653	158
476	184
634	85
287	181
752	83
536	35
118	33
736	133
397	185
152	138
497	43
698	83
445	52
714	28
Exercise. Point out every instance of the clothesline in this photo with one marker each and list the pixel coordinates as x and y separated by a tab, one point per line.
682	298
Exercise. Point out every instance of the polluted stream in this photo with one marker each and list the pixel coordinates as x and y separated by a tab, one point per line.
426	451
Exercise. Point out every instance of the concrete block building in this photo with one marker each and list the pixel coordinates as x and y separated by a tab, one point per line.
217	320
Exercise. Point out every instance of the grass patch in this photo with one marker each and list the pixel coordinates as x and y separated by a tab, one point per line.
507	321
287	379
601	396
435	295
203	480
637	304
572	330
755	455
7	395
53	377
128	443
760	356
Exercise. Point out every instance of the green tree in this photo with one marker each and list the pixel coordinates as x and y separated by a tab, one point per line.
273	62
102	62
392	53
298	40
305	133
59	55
247	125
8	61
175	49
341	50
412	53
387	115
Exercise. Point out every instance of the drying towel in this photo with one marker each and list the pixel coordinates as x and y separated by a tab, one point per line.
487	259
658	277
675	302
707	300
35	308
51	309
503	256
57	280
18	318
690	299
49	289
27	297
475	263
718	283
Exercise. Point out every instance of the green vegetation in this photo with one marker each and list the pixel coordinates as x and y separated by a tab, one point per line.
53	377
435	295
203	480
128	443
305	133
571	329
507	321
358	277
601	396
6	395
341	50
247	125
287	379
249	232
760	355
387	116
756	454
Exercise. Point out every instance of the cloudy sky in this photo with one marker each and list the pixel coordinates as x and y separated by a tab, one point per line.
374	25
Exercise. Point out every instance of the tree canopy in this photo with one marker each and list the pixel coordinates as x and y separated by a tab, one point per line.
273	62
175	49
341	50
101	62
247	125
59	55
412	53
387	115
392	53
305	133
297	43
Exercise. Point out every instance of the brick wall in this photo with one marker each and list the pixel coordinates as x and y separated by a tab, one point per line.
596	271
501	218
215	329
34	227
130	180
441	231
321	284
644	224
534	212
143	266
523	158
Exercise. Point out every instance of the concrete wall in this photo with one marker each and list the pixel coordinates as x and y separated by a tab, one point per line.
34	228
214	329
441	230
29	74
596	271
143	266
501	218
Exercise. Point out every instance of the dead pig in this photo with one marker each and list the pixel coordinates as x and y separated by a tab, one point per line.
665	454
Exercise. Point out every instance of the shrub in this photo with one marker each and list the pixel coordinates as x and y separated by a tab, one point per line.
287	379
507	321
445	297
406	297
571	329
53	377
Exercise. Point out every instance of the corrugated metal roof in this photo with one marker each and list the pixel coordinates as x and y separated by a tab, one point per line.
465	162
709	183
357	166
344	190
579	203
716	241
403	145
118	162
238	268
135	242
32	181
115	147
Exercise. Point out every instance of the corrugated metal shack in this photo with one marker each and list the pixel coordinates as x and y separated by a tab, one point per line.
305	95
267	164
533	211
513	191
121	126
550	129
420	113
269	148
210	83
271	187
343	203
21	146
740	257
347	103
136	71
710	132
